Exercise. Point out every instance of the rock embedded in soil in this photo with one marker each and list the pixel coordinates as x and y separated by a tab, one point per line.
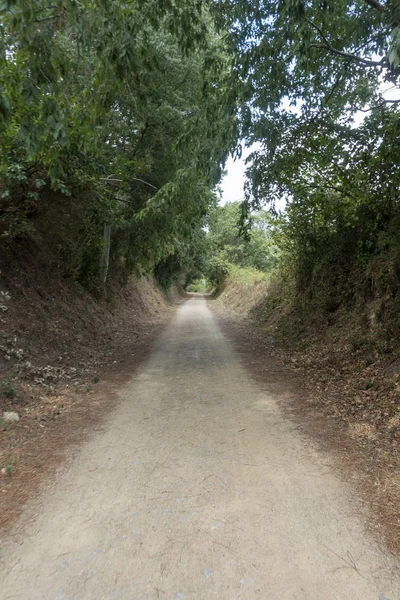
10	417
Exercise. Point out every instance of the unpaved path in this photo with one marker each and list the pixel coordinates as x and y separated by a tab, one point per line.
197	488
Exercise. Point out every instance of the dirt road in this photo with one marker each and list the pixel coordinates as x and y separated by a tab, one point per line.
197	488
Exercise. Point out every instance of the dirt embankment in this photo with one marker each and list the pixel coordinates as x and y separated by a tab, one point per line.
62	356
243	298
351	383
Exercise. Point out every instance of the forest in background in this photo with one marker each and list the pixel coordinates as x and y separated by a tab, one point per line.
117	119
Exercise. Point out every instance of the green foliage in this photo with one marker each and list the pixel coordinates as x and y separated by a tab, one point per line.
8	389
304	72
324	58
230	246
122	114
112	113
245	276
200	285
367	385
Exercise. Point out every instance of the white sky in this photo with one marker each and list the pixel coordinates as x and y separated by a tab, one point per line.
232	185
233	182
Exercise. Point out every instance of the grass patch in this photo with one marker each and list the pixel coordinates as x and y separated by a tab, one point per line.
247	276
200	285
7	390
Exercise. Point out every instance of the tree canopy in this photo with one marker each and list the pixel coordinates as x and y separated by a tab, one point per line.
122	114
318	100
125	108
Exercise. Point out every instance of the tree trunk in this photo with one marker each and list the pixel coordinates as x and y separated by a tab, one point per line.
105	258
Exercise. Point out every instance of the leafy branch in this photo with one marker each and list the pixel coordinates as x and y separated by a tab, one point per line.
326	45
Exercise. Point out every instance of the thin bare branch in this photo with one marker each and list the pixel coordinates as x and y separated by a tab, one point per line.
48	18
111	180
375	4
362	61
383	103
51	6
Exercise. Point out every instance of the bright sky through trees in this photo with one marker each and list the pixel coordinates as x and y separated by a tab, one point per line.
233	183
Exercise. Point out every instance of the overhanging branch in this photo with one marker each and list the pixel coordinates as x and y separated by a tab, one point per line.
326	45
111	180
366	62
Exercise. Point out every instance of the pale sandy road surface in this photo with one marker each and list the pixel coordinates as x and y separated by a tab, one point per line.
196	488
